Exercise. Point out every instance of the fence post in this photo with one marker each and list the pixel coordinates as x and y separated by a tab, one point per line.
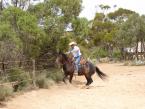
3	67
33	73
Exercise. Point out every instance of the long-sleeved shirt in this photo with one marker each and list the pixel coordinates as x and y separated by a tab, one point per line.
76	51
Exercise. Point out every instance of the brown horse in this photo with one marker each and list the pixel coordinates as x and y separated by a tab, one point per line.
87	69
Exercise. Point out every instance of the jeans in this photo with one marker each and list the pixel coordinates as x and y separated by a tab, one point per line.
77	62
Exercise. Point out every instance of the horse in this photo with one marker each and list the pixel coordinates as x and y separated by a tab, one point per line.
87	68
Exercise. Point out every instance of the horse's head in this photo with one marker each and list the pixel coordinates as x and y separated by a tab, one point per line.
61	58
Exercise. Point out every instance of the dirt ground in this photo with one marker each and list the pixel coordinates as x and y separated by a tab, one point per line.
124	89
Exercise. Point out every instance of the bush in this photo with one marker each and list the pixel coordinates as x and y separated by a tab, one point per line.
55	75
85	51
5	91
20	76
45	78
102	53
43	82
98	53
116	54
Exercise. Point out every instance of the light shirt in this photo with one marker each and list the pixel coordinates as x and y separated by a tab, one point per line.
76	51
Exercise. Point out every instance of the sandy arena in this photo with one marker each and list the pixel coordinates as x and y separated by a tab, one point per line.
124	89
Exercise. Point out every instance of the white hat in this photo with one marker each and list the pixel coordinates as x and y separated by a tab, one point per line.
72	43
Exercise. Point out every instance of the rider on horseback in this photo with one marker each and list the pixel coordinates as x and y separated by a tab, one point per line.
75	50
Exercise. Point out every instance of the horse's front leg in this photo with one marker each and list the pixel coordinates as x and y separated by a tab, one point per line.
70	79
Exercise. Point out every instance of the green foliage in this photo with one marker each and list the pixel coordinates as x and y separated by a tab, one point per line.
80	27
63	44
5	91
12	14
131	31
103	31
42	81
55	75
116	54
38	10
69	9
21	26
120	14
28	23
101	53
85	52
5	31
21	77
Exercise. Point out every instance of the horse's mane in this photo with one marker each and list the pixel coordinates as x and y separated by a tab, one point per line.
64	56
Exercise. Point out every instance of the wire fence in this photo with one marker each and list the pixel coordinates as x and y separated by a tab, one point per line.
26	65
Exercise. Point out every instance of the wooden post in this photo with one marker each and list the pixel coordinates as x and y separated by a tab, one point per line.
33	73
3	67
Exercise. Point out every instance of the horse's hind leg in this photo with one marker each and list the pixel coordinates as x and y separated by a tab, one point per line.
89	80
70	79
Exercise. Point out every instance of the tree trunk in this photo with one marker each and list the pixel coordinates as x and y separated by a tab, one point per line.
137	50
1	5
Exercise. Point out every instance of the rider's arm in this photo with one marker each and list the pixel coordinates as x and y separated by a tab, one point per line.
70	50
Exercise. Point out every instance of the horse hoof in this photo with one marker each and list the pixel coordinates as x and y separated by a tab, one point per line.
89	83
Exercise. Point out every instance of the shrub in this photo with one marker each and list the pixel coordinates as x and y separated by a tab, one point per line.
20	76
43	82
85	51
116	54
55	75
5	91
98	53
102	53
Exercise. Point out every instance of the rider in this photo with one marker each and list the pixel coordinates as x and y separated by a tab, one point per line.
75	50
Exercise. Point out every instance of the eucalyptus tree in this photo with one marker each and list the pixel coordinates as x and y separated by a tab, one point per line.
81	29
104	8
105	27
10	44
23	20
120	15
102	29
26	29
56	15
131	32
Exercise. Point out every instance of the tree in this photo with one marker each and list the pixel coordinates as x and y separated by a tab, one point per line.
26	28
104	7
120	15
132	31
80	27
56	14
10	44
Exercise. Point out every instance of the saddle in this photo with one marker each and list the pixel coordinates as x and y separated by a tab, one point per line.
83	62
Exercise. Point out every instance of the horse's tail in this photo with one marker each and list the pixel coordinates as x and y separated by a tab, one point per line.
102	75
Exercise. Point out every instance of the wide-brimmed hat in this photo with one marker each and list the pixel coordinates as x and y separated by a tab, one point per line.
72	43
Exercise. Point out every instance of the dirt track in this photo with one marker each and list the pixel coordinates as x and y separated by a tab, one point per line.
125	89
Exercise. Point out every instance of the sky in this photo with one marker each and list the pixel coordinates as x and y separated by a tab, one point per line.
90	7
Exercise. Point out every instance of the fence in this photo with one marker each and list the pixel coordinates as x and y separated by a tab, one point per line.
26	65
